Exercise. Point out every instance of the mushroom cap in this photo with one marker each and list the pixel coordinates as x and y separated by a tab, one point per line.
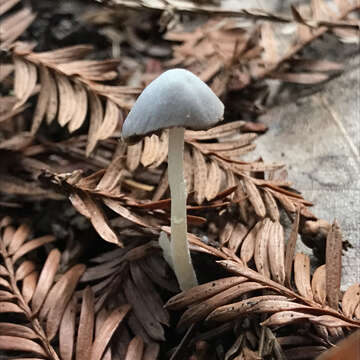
177	98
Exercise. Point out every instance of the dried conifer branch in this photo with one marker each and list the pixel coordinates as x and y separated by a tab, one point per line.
181	6
26	187
224	300
87	197
216	184
13	246
13	25
130	274
285	309
70	88
89	200
232	58
215	161
297	47
48	301
176	6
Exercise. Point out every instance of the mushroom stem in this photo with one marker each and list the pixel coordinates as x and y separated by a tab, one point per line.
180	253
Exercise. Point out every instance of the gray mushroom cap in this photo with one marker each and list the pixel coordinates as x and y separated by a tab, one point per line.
177	98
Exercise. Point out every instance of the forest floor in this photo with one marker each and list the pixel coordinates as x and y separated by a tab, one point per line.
273	190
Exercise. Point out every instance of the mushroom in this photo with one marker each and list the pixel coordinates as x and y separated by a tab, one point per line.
176	100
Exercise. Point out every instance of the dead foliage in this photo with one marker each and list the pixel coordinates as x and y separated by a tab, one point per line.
69	295
216	180
311	301
131	276
70	86
215	8
59	318
233	57
70	89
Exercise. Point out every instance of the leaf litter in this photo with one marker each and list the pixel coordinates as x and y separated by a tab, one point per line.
62	109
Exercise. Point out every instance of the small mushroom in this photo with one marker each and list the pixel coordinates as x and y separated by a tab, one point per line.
176	100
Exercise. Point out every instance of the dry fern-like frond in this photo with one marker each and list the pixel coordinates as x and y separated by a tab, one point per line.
14	24
215	179
209	158
70	88
212	165
129	275
25	187
46	303
232	57
92	335
308	298
30	293
87	196
207	7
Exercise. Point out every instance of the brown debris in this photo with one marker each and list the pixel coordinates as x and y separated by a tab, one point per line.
75	296
333	262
